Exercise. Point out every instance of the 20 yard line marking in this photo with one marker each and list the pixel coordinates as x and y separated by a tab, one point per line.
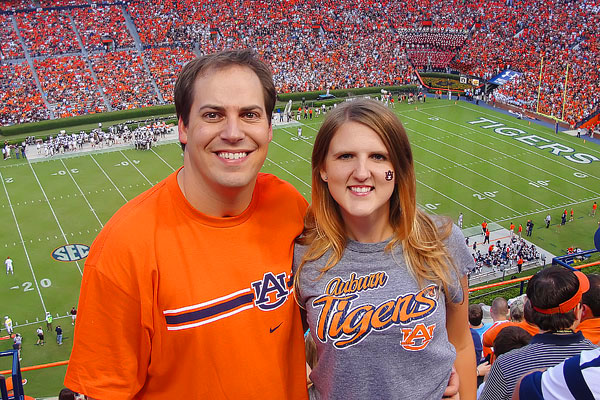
53	213
23	242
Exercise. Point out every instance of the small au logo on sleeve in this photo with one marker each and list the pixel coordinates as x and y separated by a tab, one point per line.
71	252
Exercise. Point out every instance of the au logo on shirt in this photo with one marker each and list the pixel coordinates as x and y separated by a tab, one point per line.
271	292
71	252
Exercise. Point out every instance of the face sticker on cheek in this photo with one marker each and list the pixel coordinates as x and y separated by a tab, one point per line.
389	175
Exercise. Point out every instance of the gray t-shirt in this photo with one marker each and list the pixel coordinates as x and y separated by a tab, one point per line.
378	334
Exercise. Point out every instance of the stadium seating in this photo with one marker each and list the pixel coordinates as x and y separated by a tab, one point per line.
311	45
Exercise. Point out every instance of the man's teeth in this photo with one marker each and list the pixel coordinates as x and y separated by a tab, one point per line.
363	189
232	156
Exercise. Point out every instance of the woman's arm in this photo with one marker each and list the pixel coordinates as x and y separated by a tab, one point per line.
457	325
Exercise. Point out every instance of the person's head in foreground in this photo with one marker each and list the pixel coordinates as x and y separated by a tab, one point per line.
554	295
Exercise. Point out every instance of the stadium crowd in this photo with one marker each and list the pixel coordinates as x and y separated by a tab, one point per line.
315	45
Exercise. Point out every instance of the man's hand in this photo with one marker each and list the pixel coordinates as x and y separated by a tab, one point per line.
451	391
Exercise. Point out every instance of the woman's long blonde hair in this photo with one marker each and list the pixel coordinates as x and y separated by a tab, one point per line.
426	256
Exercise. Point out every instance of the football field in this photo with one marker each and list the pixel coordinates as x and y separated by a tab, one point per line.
487	165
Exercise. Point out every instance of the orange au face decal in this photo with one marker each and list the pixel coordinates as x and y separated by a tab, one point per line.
347	325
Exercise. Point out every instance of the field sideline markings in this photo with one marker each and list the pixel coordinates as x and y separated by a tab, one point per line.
133	165
108	177
569	139
509	156
81	191
289	172
53	213
23	242
163	160
297	155
548	209
485	177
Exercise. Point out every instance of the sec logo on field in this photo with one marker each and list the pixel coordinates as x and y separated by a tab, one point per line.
71	252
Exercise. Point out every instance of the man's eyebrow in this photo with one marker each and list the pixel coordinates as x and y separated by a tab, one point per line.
252	107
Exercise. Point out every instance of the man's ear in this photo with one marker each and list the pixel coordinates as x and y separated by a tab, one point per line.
182	130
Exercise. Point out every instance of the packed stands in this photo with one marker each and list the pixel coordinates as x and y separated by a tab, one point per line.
10	46
124	79
96	24
562	32
20	100
164	65
47	32
327	44
63	3
69	86
13	5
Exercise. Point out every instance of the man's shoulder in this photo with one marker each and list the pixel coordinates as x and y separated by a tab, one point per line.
274	188
133	221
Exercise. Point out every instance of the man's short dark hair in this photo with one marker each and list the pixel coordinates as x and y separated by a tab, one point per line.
184	88
591	298
475	314
547	289
510	338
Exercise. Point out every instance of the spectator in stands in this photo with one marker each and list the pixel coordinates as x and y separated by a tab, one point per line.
476	320
499	314
590	319
554	305
509	338
517	318
575	378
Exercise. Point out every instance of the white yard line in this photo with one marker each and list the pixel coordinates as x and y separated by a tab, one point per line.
23	242
133	165
455	201
467	186
53	213
162	159
288	150
535	128
81	191
108	177
481	175
496	165
493	150
288	171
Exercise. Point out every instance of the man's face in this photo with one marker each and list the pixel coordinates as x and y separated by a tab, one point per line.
228	132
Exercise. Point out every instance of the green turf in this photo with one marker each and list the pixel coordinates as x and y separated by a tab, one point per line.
460	167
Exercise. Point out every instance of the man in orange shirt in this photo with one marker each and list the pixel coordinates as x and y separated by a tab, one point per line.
594	207
590	320
499	314
520	230
517	318
187	290
512	229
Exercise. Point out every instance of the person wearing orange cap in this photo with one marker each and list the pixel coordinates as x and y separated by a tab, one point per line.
590	319
554	305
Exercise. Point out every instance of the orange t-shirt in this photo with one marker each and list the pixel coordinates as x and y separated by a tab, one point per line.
590	329
178	304
490	335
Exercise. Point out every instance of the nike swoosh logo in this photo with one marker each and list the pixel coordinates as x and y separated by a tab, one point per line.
271	330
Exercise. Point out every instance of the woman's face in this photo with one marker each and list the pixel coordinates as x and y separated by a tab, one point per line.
359	174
